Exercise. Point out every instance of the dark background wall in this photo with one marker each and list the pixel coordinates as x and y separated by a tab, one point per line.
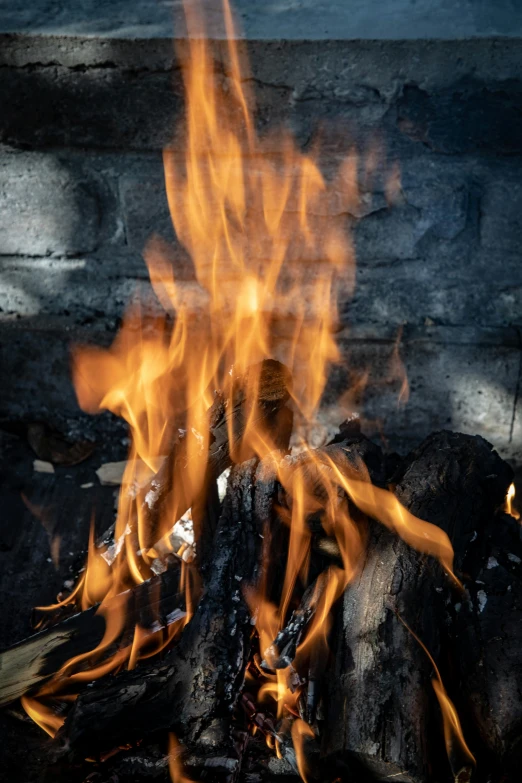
83	122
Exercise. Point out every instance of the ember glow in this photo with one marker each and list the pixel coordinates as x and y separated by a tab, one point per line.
267	268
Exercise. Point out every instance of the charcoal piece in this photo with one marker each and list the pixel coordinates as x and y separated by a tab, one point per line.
382	717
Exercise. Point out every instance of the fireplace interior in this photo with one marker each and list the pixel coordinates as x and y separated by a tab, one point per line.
341	596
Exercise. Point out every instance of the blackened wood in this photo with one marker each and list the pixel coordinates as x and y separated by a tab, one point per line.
380	700
196	686
487	623
282	652
154	605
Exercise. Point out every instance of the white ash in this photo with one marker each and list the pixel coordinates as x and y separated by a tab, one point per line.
458	607
482	600
152	494
112	552
183	531
180	537
473	537
200	439
222	484
158	566
492	562
514	558
41	466
87	486
176	614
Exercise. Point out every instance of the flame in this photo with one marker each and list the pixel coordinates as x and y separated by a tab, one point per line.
461	759
300	730
508	505
42	715
269	253
177	774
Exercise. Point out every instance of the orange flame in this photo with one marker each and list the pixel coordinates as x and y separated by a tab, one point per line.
461	759
508	505
300	730
177	774
269	253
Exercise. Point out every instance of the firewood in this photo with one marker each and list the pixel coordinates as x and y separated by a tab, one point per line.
266	387
154	605
193	690
380	701
282	651
487	623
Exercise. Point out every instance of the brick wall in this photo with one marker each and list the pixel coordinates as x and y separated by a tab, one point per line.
81	190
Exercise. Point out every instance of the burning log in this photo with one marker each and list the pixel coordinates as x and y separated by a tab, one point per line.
282	652
196	686
488	639
380	700
257	398
153	605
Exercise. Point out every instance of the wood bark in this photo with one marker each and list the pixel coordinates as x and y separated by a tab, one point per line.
380	701
194	689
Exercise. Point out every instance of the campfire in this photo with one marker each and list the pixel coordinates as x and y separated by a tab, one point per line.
276	596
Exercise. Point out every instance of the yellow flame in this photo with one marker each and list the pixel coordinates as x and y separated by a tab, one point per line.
42	715
300	730
269	254
508	505
453	734
177	774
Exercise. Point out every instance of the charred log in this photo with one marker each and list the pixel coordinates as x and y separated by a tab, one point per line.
195	688
380	700
282	652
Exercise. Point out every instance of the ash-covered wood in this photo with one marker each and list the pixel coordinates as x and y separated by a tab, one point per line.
380	700
487	622
195	688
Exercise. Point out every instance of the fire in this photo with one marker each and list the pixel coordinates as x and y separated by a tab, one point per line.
509	507
268	259
461	759
177	774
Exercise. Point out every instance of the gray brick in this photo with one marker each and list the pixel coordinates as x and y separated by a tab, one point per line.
47	206
145	210
501	210
469	388
76	287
